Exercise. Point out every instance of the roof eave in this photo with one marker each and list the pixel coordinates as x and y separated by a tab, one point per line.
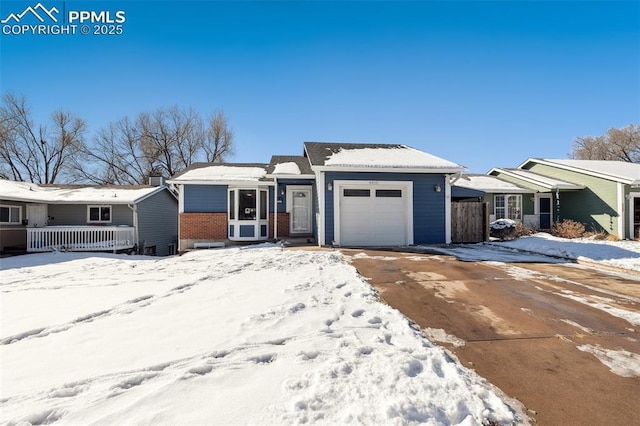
288	176
221	182
430	170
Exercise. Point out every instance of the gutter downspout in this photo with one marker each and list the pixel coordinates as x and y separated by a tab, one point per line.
134	209
275	210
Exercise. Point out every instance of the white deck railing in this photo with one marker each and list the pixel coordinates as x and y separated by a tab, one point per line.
80	238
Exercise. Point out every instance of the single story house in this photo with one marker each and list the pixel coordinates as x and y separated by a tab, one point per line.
335	193
87	218
603	195
505	199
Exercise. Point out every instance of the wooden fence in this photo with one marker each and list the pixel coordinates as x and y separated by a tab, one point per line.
469	222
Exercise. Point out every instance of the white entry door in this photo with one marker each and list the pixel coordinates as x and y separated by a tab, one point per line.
37	215
299	203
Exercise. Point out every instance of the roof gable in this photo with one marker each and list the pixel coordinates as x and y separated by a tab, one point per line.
618	171
528	177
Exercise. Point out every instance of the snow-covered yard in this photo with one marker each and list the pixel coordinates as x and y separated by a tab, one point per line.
542	247
254	335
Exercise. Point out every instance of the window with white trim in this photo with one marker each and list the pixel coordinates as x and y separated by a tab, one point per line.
248	204
99	214
508	206
10	215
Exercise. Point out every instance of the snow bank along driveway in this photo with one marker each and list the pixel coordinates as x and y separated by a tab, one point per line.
234	336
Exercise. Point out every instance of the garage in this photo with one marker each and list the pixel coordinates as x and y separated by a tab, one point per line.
374	214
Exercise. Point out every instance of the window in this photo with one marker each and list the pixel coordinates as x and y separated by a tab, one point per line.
508	206
389	193
248	204
357	193
11	215
99	214
263	205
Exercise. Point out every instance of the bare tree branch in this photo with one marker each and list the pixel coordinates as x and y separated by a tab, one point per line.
34	154
616	144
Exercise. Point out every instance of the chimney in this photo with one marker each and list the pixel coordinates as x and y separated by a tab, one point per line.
156	180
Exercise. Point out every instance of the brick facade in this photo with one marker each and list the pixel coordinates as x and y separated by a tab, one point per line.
205	226
283	225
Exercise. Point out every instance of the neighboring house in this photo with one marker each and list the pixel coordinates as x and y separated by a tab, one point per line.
605	195
505	199
335	193
87	218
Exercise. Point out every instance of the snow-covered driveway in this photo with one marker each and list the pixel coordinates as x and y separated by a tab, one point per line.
235	336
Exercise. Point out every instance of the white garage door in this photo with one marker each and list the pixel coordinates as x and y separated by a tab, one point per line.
373	215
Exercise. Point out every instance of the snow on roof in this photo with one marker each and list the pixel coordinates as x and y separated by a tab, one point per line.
289	168
490	184
393	157
615	169
222	173
67	194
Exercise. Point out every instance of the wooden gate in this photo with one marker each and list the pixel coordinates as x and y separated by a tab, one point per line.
469	222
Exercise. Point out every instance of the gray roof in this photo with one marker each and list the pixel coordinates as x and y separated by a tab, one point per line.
300	161
319	152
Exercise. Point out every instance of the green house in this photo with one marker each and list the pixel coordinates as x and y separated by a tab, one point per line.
602	195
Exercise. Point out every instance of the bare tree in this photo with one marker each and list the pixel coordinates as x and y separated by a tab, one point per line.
164	142
171	139
616	144
218	144
35	154
115	157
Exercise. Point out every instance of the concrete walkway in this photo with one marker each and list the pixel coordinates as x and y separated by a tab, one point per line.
539	332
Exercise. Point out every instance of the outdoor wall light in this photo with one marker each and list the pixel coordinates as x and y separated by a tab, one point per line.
330	186
437	188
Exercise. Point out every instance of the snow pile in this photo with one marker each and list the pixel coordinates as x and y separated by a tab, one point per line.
621	254
502	224
217	173
621	362
231	336
289	168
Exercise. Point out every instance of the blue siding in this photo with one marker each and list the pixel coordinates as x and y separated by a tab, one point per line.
205	198
247	231
428	205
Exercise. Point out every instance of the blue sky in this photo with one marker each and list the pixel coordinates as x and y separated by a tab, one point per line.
484	84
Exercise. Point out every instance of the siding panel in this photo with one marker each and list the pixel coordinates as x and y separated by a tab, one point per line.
205	198
158	222
428	205
594	206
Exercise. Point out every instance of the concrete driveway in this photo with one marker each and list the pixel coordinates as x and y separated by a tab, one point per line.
542	333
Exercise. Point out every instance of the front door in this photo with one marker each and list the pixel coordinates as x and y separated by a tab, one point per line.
300	211
37	215
545	211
